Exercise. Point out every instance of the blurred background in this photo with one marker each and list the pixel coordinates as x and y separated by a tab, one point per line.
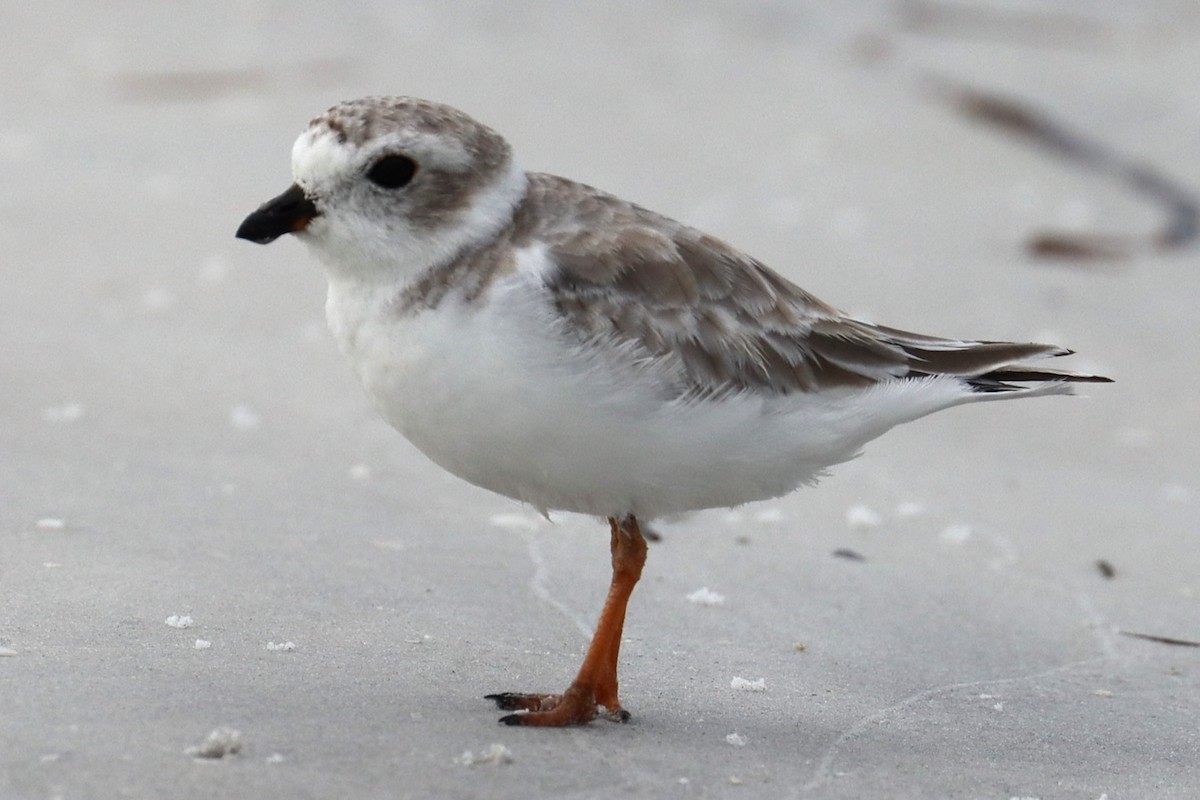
178	435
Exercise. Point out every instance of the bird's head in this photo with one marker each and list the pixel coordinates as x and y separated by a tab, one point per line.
387	184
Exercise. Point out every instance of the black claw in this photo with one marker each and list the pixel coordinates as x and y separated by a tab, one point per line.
511	719
506	701
624	716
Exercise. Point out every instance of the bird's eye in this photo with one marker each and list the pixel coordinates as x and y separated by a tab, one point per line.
392	172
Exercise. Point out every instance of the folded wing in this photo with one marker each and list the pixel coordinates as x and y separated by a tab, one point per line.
719	321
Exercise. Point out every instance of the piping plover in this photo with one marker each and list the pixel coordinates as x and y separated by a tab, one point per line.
566	348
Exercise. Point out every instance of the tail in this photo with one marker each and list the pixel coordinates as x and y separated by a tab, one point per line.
1015	377
854	352
987	367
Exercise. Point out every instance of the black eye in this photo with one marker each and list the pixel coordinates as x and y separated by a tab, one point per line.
392	172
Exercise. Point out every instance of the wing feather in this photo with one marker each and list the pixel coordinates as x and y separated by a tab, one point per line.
719	321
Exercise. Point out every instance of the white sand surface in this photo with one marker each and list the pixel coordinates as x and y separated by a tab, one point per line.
178	435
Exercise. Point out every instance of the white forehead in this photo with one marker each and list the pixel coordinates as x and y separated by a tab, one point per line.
321	157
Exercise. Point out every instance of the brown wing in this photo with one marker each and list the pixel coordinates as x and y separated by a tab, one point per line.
720	321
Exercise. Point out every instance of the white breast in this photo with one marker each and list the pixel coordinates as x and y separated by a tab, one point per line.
498	395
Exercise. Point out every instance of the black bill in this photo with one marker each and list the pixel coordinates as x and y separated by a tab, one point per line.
288	213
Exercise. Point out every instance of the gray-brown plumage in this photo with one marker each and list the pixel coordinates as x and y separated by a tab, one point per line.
715	319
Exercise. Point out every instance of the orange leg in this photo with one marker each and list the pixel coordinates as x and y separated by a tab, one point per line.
596	683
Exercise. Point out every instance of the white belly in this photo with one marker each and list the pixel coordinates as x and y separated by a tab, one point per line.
496	396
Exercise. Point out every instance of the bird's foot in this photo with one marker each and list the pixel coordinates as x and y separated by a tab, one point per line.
576	706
